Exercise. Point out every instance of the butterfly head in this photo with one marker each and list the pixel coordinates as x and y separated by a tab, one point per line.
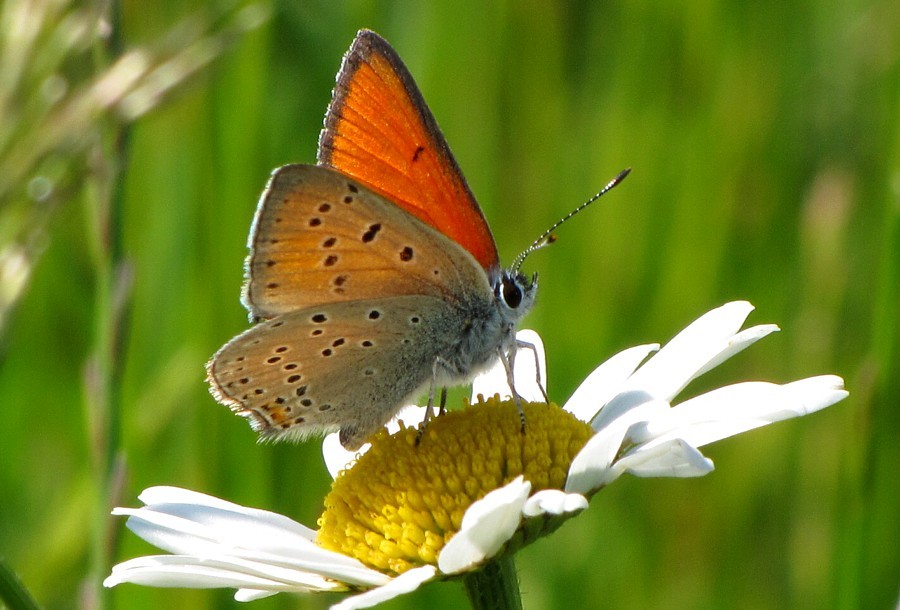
514	292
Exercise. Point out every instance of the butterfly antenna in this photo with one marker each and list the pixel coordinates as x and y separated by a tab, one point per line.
547	237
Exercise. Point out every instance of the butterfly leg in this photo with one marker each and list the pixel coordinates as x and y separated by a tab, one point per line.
537	366
508	362
443	407
429	409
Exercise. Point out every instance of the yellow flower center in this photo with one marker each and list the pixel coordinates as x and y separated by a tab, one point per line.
398	505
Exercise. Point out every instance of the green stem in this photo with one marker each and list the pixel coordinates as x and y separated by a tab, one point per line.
13	593
102	392
495	586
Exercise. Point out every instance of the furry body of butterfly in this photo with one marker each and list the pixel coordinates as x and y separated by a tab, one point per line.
364	306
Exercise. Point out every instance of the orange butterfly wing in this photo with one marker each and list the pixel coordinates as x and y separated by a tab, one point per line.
379	131
321	237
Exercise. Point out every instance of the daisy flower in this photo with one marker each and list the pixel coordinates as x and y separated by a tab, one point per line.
458	500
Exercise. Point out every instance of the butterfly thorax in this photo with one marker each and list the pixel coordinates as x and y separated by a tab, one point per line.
489	328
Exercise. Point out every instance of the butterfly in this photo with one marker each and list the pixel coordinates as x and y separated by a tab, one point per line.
373	275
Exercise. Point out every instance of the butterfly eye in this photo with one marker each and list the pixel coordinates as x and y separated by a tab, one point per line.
512	293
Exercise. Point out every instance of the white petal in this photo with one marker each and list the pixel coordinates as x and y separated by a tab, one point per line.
675	458
337	458
486	526
251	595
407	582
606	381
176	527
192	504
815	393
553	502
589	468
167	494
530	366
738	343
704	343
410	415
737	408
207	573
494	381
229	532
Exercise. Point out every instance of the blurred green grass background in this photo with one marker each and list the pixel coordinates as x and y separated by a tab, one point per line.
765	144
